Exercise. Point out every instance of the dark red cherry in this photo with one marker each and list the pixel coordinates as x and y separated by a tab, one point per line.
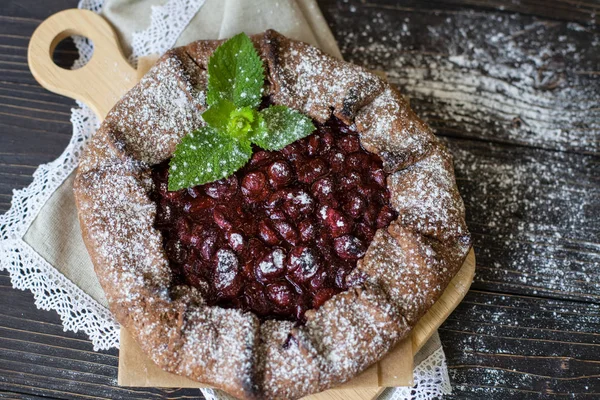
260	158
268	234
221	218
312	170
356	161
255	299
195	191
350	181
385	217
286	231
349	247
364	232
355	205
336	162
276	214
340	278
281	294
370	215
227	279
254	186
349	144
209	245
298	203
236	240
192	237
313	145
306	229
318	281
327	141
337	222
303	263
271	265
280	174
378	176
222	189
198	205
323	189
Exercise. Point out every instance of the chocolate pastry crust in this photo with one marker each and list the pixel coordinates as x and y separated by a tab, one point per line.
406	268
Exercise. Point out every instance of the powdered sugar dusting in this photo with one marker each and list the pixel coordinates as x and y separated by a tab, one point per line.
306	263
226	347
227	266
409	269
507	77
161	109
273	263
426	197
299	70
388	127
300	198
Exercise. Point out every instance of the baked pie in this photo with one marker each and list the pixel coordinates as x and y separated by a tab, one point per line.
301	269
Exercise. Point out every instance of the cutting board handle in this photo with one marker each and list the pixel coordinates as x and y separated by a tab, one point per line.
99	83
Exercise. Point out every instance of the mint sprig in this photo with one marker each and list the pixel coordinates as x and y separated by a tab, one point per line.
279	126
234	91
205	156
235	73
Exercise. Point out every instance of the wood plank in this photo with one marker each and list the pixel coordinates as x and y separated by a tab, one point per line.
17	396
484	75
500	345
34	124
37	358
534	218
586	12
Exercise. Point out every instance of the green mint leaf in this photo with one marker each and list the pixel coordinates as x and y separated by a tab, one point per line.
241	122
204	156
226	118
279	126
217	116
235	73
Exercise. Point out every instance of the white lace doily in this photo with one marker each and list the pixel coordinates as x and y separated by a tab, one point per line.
431	381
51	290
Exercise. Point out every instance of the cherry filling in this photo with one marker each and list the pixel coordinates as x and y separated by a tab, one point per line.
279	236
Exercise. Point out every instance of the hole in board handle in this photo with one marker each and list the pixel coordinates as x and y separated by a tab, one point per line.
73	52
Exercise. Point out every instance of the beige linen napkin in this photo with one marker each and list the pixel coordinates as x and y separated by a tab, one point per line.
298	19
55	233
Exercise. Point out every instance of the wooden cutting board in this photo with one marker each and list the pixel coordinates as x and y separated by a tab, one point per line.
108	75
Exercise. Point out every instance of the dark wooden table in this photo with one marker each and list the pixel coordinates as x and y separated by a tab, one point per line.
514	88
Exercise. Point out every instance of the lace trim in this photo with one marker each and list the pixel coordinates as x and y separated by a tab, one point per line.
431	381
167	22
51	290
27	270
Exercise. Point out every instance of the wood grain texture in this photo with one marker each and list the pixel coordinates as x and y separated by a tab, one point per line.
512	86
102	81
516	98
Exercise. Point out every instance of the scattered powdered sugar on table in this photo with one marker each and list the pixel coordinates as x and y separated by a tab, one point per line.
506	78
538	216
